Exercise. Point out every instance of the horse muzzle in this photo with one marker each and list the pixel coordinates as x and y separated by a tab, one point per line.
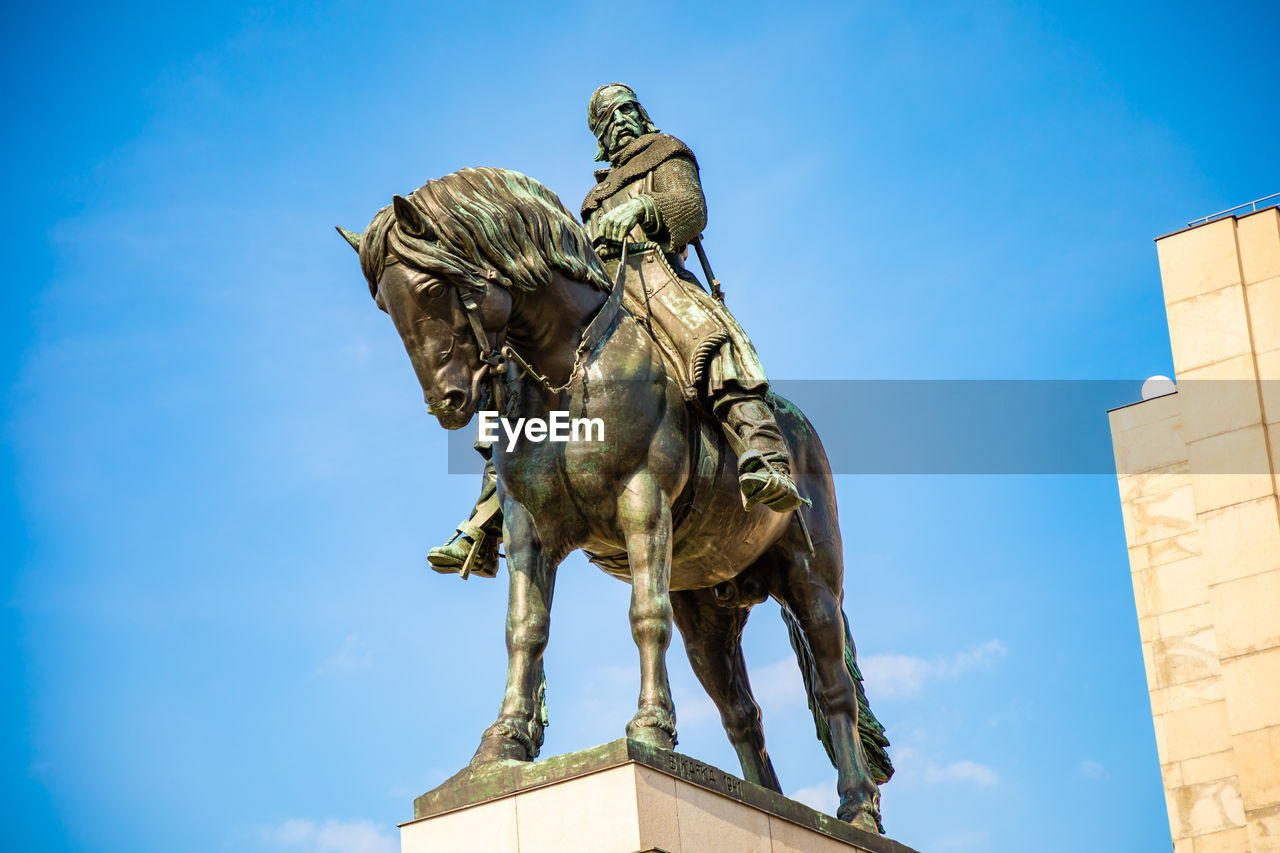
453	409
456	407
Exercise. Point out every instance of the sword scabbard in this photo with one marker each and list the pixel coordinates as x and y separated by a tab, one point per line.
714	283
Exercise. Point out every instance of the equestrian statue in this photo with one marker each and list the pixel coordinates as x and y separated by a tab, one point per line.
708	493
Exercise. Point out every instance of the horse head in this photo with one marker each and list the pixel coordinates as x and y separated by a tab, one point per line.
429	305
447	264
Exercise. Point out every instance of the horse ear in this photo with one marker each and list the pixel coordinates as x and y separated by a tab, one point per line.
411	220
350	236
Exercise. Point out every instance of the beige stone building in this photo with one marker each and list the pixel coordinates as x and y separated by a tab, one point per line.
1199	475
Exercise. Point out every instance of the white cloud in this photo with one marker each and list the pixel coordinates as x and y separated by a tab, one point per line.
1090	769
357	351
979	657
351	656
969	772
777	687
777	681
822	797
695	708
920	764
895	676
332	836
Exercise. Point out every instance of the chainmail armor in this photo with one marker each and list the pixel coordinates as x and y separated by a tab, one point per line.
676	191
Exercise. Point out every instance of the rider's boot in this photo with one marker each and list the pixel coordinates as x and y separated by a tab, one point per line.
764	463
473	548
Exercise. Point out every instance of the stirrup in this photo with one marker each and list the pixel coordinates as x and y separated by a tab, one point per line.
763	480
463	558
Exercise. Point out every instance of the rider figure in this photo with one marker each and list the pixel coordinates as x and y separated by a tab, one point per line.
651	194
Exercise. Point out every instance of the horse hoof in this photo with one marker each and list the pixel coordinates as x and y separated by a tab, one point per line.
497	752
499	743
653	726
651	736
866	818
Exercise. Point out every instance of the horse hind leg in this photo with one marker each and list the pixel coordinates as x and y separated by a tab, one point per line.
713	640
809	593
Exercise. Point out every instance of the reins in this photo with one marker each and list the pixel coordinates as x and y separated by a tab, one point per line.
591	336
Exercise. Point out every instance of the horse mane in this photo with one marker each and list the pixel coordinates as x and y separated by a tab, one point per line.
485	219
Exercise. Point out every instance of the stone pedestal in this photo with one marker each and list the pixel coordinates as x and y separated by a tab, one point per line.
622	797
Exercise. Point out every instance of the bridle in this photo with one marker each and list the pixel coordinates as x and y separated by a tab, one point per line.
479	280
495	361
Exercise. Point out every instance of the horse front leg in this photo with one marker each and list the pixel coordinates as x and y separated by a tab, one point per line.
517	733
645	519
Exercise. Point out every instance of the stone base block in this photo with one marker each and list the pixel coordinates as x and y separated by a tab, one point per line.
622	797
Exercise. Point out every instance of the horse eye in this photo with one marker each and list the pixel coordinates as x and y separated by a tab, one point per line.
432	289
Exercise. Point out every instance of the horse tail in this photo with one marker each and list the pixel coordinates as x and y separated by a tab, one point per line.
870	731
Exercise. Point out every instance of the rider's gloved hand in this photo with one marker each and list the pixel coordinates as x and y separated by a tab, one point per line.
615	225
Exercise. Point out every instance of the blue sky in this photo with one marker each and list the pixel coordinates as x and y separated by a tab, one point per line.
218	631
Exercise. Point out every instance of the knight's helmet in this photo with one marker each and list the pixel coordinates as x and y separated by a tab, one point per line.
603	102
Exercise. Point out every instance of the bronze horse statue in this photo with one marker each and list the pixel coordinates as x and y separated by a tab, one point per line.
500	300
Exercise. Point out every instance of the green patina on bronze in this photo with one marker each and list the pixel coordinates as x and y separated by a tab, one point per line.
708	495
